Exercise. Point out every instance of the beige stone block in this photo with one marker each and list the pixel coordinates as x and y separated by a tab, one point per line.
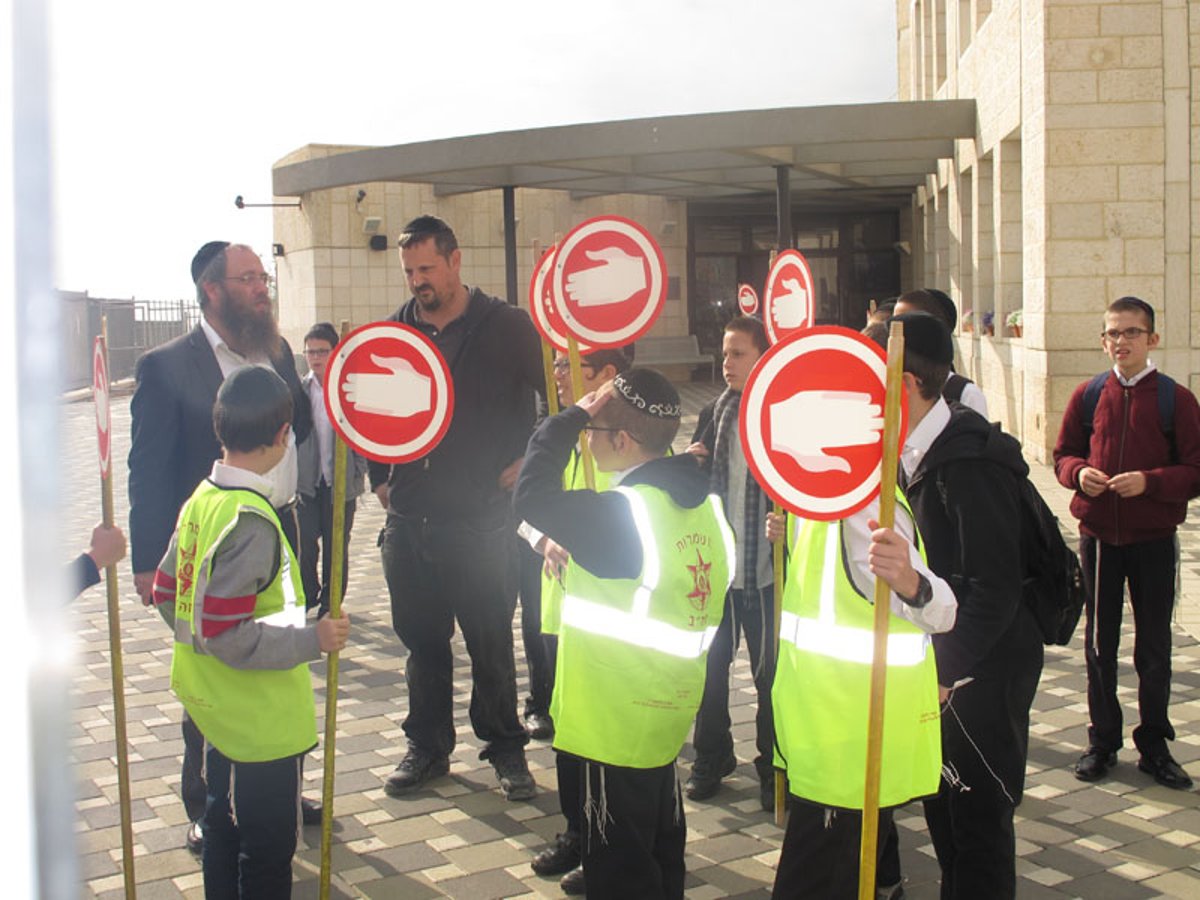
1148	287
1082	53
1145	256
1142	52
1107	115
1075	295
1072	87
1137	182
1129	85
1076	220
1073	21
1098	146
1082	183
1133	219
1176	227
1130	19
1100	257
1077	330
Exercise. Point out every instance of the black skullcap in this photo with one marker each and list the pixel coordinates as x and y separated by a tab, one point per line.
926	335
949	312
648	392
204	256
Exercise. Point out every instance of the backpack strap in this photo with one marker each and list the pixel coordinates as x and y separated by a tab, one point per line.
954	386
1166	412
1091	396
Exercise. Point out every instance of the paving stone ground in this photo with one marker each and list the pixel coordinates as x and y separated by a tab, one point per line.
1124	838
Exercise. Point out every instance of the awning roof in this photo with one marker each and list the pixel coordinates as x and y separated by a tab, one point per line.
865	152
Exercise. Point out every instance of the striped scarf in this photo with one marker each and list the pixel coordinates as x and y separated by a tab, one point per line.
725	422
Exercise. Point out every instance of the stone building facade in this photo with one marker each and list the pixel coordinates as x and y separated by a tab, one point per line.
1080	186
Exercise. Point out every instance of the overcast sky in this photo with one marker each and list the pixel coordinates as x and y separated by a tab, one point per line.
165	111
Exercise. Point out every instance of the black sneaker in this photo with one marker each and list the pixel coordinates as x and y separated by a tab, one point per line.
414	770
706	776
513	774
564	856
1165	771
1094	764
572	883
539	726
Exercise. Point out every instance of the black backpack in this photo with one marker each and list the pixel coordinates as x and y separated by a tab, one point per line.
1052	579
954	386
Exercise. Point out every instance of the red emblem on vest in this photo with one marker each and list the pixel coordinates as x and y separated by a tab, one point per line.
701	586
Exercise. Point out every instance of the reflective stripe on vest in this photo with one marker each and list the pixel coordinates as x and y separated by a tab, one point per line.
635	626
822	636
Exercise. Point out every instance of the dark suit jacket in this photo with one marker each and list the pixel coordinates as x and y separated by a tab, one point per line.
173	442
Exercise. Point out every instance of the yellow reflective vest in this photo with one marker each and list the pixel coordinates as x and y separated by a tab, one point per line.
631	652
822	685
552	588
251	715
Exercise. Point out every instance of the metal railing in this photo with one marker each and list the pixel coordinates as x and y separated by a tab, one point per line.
134	326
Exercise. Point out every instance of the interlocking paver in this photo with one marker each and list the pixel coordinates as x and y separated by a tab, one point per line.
1124	838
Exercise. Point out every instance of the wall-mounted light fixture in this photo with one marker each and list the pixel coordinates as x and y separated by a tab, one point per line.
277	249
242	204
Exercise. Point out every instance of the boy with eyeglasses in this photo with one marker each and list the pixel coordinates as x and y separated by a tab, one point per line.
1130	449
315	481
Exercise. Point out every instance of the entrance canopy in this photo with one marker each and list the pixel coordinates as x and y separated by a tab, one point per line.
873	153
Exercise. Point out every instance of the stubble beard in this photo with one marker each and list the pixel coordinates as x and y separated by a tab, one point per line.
428	300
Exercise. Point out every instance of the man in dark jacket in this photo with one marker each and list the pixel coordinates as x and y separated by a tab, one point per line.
962	479
449	551
1133	475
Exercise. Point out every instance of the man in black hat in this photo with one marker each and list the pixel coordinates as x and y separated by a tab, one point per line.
963	478
173	443
644	588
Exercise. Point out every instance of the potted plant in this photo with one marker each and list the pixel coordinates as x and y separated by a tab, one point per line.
989	326
968	321
1014	322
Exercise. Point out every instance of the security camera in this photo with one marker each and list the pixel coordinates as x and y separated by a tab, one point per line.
239	202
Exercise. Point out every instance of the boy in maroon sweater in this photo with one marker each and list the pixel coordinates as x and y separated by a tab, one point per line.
1132	481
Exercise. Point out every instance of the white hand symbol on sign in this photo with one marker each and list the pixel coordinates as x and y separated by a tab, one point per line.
791	309
618	277
402	391
808	423
101	406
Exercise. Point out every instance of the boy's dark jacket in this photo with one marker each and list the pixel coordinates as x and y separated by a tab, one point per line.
1127	436
597	529
973	540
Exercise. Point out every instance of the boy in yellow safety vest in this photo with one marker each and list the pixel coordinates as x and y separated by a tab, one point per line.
644	588
230	587
822	682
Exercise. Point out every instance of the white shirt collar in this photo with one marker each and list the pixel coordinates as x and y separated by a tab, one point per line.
1130	382
233	477
921	438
